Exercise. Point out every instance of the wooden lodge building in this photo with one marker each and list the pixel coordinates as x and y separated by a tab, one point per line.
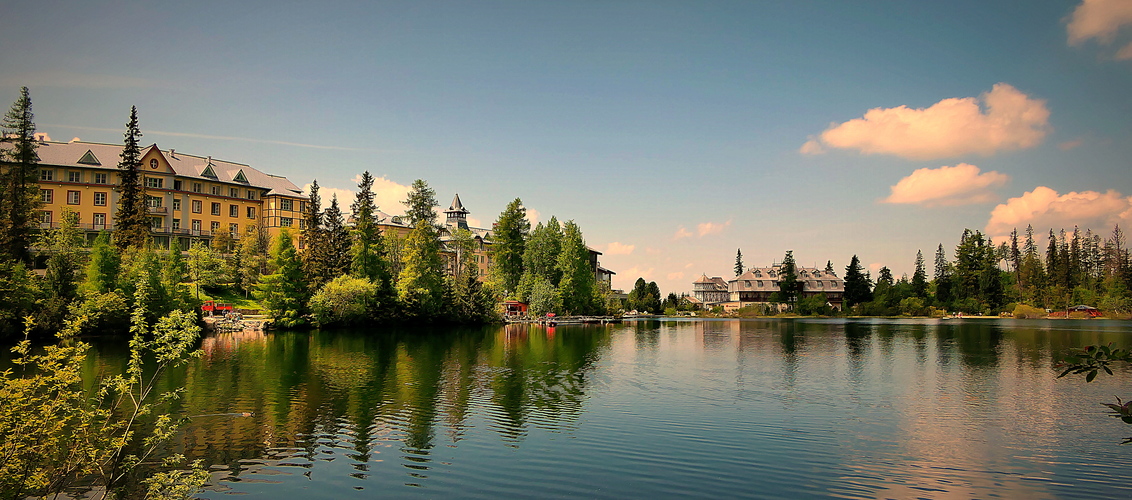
756	285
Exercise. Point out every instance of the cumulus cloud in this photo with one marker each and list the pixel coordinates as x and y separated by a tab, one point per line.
1046	209
1000	120
636	272
618	248
675	276
325	194
42	136
682	233
962	184
1100	19
75	139
533	216
706	228
388	195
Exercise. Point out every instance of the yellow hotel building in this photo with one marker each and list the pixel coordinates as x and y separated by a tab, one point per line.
190	197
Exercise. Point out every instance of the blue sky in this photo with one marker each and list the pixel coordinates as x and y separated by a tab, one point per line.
673	133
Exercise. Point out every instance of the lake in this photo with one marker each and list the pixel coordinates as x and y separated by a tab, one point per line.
671	408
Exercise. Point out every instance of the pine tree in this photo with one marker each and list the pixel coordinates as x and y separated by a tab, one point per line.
942	277
829	267
857	287
509	239
920	277
739	262
19	192
1016	260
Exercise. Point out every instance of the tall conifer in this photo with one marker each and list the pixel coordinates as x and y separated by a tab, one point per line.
131	220
19	192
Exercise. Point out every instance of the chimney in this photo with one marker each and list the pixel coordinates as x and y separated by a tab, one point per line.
173	153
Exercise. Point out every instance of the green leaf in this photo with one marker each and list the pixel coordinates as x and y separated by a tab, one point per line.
1092	375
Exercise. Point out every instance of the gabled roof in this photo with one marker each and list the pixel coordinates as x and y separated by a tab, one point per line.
73	154
457	206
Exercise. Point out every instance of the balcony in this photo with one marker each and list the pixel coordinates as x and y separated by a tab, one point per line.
158	210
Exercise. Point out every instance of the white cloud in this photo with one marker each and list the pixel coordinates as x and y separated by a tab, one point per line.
325	194
388	195
707	228
948	128
75	139
1046	209
675	276
689	265
682	233
42	136
1100	19
636	272
533	216
962	184
617	248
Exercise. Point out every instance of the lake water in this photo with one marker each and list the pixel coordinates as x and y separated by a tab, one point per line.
729	408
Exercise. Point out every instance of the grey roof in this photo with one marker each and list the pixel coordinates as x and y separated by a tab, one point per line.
456	205
813	279
68	154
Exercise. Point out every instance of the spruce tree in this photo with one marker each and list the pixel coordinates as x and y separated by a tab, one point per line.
19	191
336	242
920	277
829	267
420	283
508	244
857	286
284	293
788	285
942	278
739	262
314	241
366	255
131	221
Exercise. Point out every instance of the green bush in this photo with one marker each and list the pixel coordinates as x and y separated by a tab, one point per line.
344	301
1024	311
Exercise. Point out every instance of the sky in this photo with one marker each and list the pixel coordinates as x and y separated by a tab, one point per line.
672	133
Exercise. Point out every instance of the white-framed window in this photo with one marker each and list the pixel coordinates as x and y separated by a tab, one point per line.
216	190
215	209
286	204
73	197
233	211
99	199
176	204
154	182
196	187
233	193
251	194
99	221
176	224
46	174
153	201
45	217
196	225
47	195
155	222
215	226
74	176
198	206
251	212
234	229
286	221
100	178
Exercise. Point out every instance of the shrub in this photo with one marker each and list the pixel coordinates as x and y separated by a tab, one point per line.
1024	311
346	300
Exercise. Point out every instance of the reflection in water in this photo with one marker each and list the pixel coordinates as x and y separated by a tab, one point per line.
853	408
